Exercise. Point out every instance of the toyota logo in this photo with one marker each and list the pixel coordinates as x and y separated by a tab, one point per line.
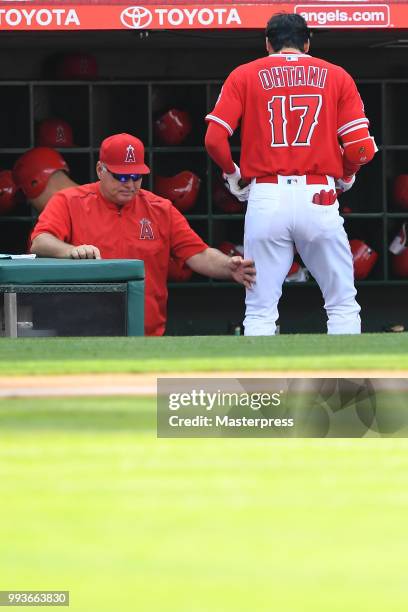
136	17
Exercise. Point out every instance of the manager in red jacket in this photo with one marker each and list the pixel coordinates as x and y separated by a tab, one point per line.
115	219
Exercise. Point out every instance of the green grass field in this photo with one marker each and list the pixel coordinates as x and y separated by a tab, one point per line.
205	353
93	502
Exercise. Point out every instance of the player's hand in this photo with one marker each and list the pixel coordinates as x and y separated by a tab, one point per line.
345	183
85	251
242	271
235	185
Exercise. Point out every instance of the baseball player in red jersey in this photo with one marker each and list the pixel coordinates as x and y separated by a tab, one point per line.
304	135
115	219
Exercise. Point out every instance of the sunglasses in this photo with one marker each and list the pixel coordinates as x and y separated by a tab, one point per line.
123	178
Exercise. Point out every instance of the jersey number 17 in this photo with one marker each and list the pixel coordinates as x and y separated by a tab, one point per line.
283	109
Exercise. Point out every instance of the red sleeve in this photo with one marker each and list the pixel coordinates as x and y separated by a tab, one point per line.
350	108
228	108
184	242
217	145
55	219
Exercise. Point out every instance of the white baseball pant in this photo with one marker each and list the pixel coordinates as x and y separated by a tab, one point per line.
279	217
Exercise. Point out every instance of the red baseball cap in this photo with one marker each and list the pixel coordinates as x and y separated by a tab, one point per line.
54	133
124	154
77	66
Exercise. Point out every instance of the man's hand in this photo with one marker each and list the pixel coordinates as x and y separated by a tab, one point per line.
215	264
233	183
242	271
85	251
344	184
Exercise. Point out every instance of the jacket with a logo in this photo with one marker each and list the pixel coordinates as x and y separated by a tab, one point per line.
148	227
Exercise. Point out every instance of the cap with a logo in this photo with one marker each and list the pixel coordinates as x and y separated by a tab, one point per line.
123	154
77	66
54	133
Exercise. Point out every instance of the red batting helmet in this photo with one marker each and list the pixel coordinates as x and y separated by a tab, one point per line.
224	200
364	258
54	133
173	127
399	250
7	192
182	189
78	67
178	271
400	190
231	249
33	169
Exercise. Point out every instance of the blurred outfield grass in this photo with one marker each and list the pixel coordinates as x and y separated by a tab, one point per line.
93	502
203	353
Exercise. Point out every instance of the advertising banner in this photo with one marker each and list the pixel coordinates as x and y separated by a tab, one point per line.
29	15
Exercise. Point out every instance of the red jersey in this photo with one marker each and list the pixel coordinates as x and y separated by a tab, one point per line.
148	228
293	108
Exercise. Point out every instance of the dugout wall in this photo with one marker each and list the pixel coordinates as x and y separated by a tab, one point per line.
180	61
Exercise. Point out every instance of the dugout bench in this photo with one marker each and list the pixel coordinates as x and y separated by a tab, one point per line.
65	297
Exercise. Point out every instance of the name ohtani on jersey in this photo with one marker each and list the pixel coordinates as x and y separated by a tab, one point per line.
293	76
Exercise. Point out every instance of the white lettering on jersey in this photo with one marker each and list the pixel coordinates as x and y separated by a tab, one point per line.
313	76
299	79
288	70
278	77
265	78
293	76
322	80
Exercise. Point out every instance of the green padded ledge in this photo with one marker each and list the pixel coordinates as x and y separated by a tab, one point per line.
45	270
